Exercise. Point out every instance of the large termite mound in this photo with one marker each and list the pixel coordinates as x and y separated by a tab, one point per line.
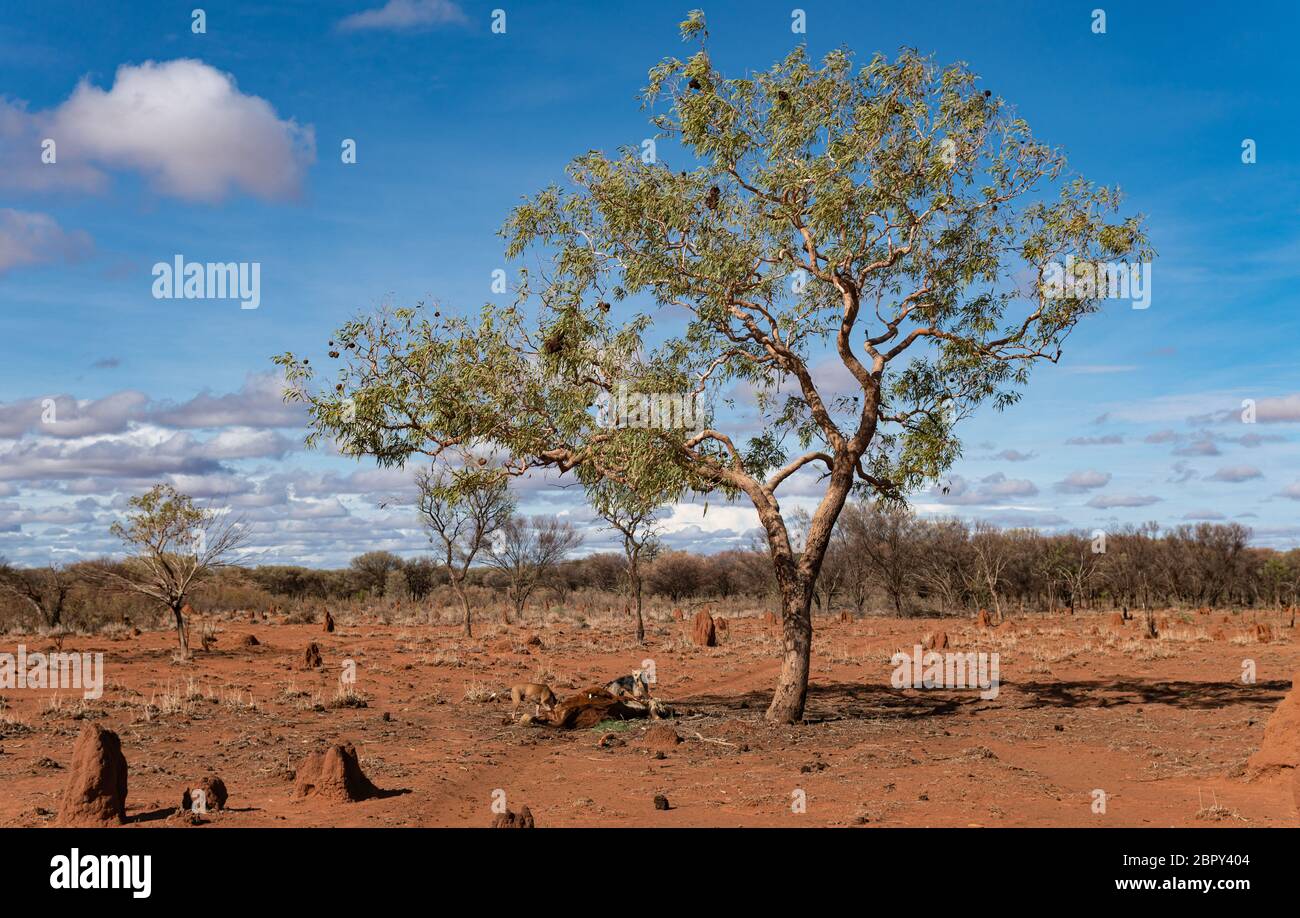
703	631
1281	747
95	794
334	774
935	640
311	657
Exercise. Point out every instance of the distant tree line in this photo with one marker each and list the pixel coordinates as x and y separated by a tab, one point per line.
883	559
920	564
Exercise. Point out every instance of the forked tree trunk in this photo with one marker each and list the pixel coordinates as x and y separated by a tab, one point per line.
796	581
796	637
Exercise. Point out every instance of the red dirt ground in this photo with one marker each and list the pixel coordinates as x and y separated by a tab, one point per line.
1162	727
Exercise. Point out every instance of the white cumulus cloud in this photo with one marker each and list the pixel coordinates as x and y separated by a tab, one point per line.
187	126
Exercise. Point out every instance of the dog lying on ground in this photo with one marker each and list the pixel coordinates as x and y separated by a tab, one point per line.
636	685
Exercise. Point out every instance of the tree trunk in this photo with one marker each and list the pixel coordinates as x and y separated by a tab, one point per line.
640	623
792	687
796	578
182	634
464	605
997	604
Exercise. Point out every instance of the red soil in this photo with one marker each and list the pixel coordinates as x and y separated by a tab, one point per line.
1164	727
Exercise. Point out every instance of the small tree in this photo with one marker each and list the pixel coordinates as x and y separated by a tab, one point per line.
992	553
834	578
633	517
172	546
885	537
421	577
462	512
942	561
45	589
1079	567
526	550
371	570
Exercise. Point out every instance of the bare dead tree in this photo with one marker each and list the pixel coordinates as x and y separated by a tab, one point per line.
991	558
526	550
885	537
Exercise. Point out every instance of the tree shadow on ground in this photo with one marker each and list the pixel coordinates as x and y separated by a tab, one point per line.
1108	693
861	701
830	701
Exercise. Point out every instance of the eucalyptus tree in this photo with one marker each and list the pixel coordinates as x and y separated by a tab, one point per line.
173	546
462	511
893	224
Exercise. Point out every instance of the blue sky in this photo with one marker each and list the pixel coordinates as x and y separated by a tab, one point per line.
237	158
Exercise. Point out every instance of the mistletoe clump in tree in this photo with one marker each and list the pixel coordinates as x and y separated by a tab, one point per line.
889	224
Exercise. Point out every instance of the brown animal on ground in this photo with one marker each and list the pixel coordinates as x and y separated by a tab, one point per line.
534	692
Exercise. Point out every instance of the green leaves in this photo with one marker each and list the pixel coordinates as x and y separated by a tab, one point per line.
163	520
859	248
693	26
